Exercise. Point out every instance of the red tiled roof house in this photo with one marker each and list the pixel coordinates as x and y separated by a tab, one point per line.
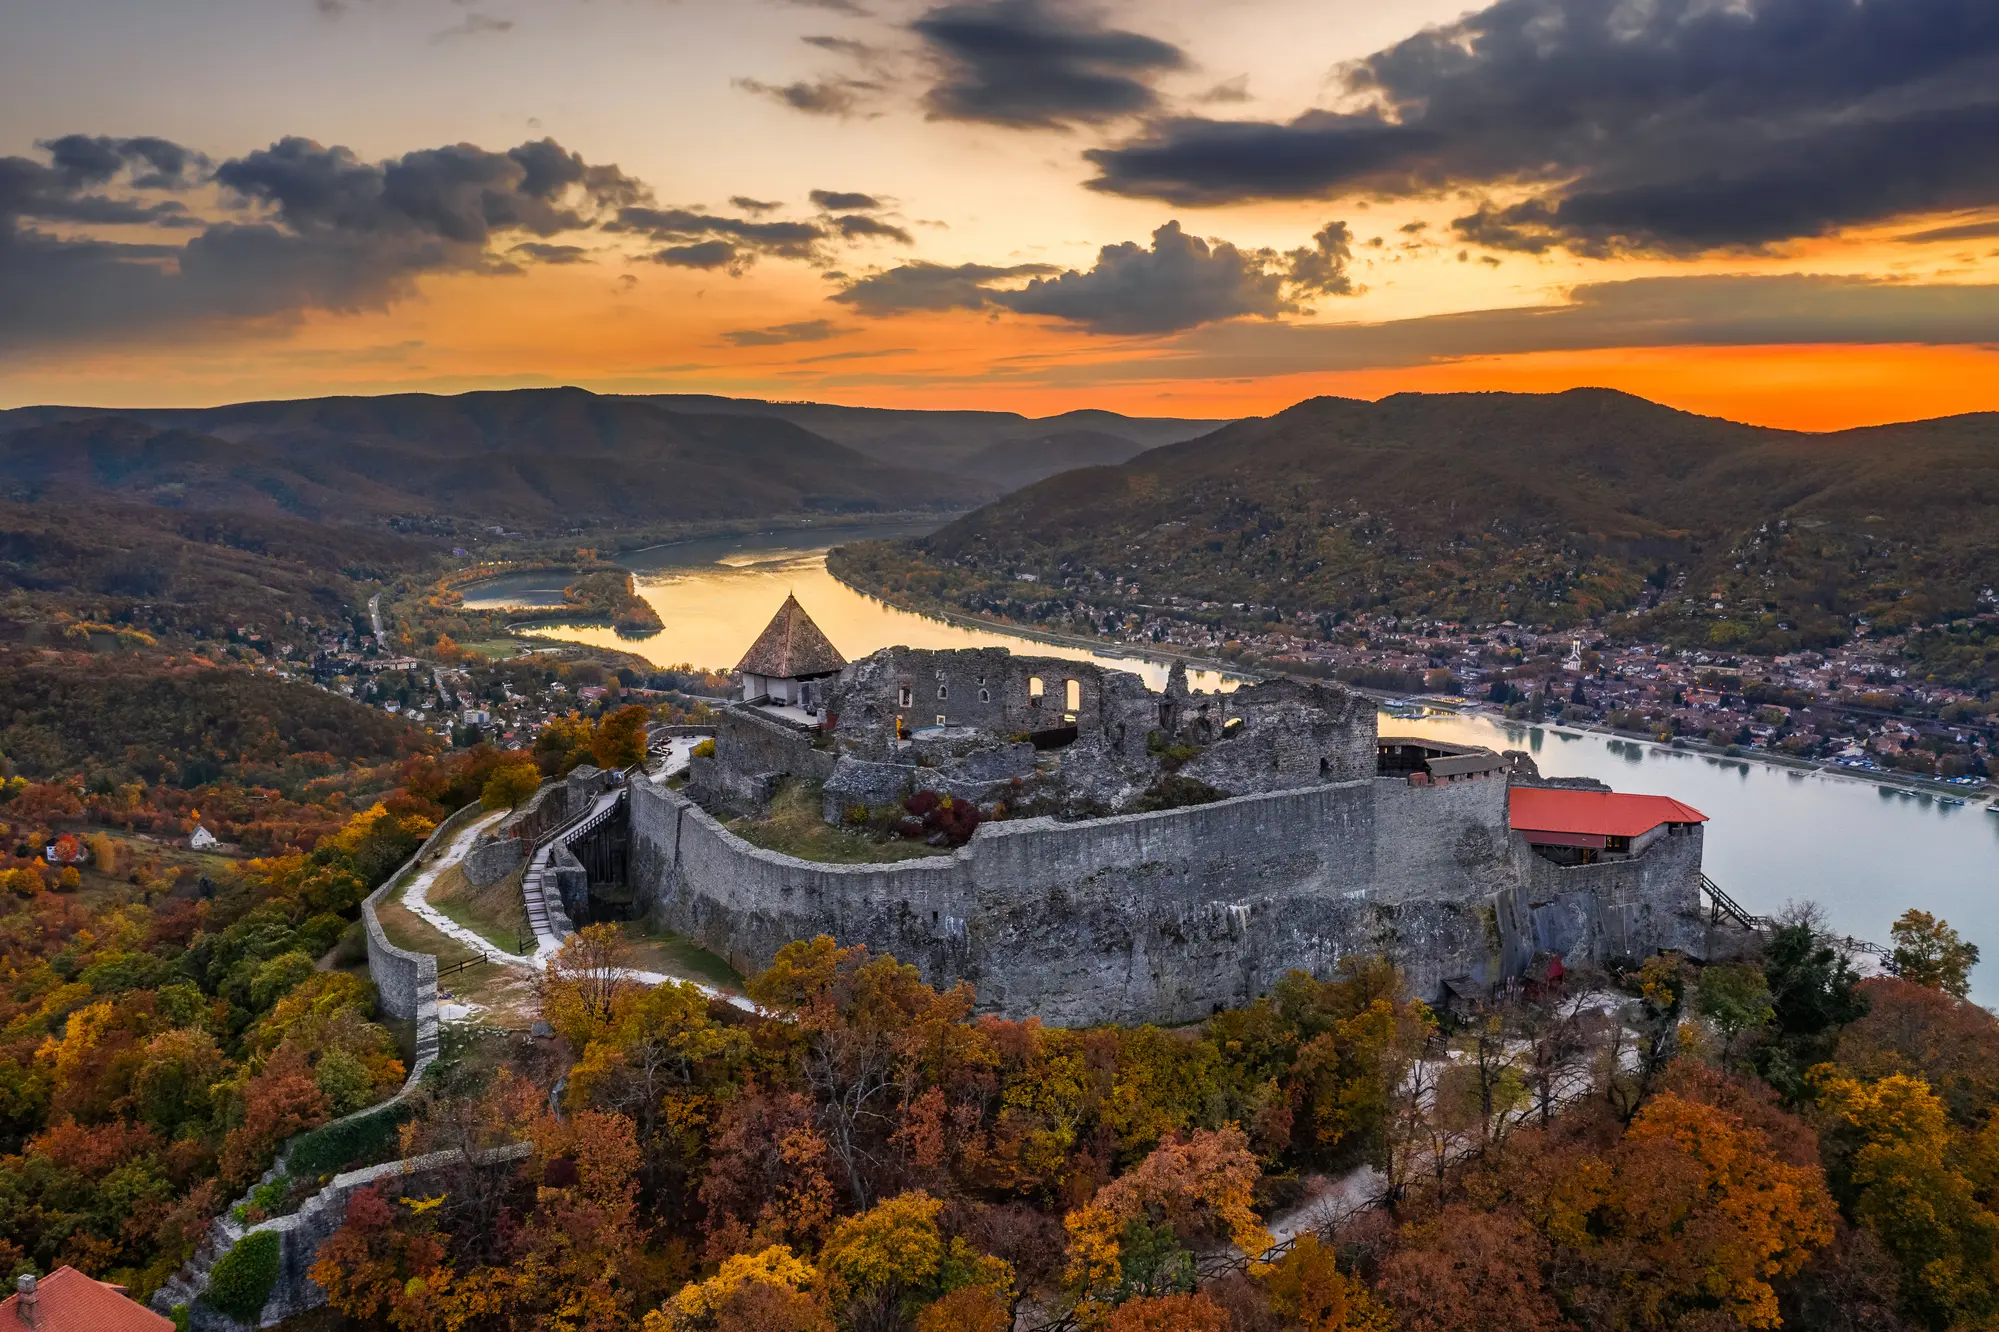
68	1301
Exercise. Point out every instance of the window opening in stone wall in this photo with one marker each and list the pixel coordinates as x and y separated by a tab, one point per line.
943	691
904	697
1034	691
1072	695
985	696
941	721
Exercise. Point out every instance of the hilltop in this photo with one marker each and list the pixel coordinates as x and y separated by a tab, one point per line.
1589	507
552	459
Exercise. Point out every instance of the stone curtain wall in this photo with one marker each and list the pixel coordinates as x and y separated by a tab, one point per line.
1611	910
404	981
490	862
750	753
1138	918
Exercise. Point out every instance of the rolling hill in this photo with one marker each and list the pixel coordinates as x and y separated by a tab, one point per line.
554	458
975	443
539	458
1583	507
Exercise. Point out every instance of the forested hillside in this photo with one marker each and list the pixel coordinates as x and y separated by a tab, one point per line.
554	458
1573	508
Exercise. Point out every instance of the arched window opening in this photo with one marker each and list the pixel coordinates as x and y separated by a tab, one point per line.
1034	691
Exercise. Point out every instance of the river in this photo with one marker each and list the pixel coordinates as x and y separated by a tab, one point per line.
1863	851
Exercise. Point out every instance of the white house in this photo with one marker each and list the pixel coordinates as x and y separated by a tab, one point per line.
201	839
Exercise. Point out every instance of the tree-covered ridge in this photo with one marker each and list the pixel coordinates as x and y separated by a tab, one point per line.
1577	508
182	724
1761	1144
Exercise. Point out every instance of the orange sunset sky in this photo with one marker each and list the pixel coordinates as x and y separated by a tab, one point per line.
1783	211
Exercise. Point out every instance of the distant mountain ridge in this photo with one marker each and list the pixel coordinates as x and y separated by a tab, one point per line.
1571	508
548	457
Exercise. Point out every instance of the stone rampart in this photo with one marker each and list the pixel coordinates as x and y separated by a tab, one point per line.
405	981
1615	909
1144	917
490	862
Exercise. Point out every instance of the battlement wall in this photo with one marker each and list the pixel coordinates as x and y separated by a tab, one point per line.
1143	917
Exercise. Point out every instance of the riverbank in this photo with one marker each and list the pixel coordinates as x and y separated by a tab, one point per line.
1241	673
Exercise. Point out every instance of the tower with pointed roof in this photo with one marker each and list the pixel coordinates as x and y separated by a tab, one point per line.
791	661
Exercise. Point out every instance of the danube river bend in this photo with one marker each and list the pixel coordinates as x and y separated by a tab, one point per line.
1866	852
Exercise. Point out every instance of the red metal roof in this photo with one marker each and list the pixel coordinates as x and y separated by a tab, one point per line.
68	1301
1594	813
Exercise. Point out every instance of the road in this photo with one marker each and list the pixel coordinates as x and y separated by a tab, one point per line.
375	614
415	895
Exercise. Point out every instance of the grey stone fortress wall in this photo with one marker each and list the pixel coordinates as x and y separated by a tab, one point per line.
1165	917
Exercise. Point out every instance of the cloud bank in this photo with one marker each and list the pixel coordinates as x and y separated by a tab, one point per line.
1670	126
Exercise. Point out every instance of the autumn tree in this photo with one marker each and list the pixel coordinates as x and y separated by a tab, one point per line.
620	738
1735	997
1308	1290
868	1027
588	982
1906	1173
773	1282
1168	1313
666	1063
883	1263
510	784
1929	952
1193	1191
1466	1270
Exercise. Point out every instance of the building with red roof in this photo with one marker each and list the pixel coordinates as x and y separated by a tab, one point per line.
1583	827
68	1301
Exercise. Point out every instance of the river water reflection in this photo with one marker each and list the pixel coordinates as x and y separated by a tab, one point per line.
1866	852
715	596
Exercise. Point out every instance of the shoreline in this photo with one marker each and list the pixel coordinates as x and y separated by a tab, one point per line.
1971	796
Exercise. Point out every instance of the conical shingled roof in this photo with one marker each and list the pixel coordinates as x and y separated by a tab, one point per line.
791	646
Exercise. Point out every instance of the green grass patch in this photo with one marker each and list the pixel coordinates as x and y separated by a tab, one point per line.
406	929
497	913
678	955
794	827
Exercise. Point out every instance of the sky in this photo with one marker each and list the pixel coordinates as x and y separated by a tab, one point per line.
1783	211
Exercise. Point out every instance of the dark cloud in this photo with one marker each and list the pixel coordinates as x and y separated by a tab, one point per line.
1673	126
461	194
701	254
1177	283
844	201
1321	268
1962	231
1036	64
807	330
754	207
324	230
933	287
857	228
829	96
1229	90
1180	282
1726	310
156	164
845	46
780	240
541	252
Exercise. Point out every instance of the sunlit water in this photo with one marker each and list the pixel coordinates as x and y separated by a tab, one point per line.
714	597
1864	851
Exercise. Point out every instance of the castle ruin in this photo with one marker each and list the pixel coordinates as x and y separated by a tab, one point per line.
1152	856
